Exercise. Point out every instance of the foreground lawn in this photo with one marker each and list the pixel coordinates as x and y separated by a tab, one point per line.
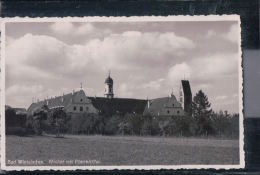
118	150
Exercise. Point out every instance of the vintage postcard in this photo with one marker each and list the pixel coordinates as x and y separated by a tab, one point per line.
121	93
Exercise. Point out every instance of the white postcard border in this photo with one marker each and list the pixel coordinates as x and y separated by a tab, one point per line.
122	19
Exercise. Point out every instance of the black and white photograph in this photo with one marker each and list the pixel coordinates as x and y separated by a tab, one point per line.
122	92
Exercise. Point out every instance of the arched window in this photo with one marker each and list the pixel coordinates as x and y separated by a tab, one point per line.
74	108
81	99
168	111
178	112
173	105
81	108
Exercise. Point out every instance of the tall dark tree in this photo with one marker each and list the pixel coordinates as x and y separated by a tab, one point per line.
201	111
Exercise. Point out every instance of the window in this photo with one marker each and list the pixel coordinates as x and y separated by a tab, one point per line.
173	104
86	108
81	99
81	108
74	108
178	112
168	111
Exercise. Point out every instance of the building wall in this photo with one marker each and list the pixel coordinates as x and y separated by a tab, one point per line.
172	108
167	106
172	111
80	104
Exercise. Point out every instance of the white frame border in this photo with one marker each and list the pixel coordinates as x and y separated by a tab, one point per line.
122	19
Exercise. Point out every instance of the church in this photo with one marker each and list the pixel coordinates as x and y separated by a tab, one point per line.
78	102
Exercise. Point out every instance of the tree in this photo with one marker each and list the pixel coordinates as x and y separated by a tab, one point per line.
147	125
38	116
201	111
58	120
111	127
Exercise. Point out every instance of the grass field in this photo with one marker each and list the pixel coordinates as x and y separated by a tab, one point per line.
118	150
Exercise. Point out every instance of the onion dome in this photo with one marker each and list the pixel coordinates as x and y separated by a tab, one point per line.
109	80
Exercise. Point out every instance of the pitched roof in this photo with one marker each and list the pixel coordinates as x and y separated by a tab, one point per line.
186	87
54	102
156	105
120	105
105	105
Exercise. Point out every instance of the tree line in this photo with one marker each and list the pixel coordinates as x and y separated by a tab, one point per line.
203	122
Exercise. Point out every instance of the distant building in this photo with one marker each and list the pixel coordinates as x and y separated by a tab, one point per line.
166	106
78	102
186	96
73	103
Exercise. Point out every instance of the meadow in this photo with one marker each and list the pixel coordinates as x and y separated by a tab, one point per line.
121	150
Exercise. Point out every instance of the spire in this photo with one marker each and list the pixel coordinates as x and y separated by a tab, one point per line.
109	72
80	85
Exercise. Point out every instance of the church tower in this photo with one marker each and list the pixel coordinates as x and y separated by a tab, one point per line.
185	96
109	87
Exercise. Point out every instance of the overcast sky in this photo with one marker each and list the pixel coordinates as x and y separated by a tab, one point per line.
146	59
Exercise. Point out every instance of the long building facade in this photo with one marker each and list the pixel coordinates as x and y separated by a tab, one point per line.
78	102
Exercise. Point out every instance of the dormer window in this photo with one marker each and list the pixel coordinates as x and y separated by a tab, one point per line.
81	99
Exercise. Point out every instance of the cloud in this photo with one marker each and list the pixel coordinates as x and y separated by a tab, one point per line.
136	48
68	28
210	34
232	34
125	90
18	94
215	66
82	30
85	29
205	68
178	72
116	51
63	28
222	97
155	85
45	60
36	55
24	89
